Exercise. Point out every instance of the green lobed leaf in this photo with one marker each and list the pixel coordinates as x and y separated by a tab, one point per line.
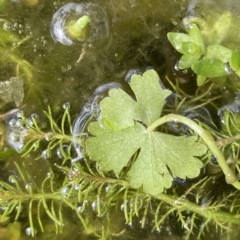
177	40
209	68
119	110
218	52
161	157
196	36
235	61
200	80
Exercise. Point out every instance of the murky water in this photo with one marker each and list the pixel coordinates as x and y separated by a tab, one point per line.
131	34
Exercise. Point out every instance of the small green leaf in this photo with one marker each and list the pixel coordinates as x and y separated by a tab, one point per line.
124	110
196	37
235	61
191	48
218	52
209	68
200	80
187	61
161	157
238	73
177	40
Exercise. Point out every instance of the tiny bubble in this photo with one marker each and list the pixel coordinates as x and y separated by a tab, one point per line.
7	26
46	154
107	189
60	151
176	67
12	178
28	187
122	207
12	123
48	136
29	231
20	114
66	105
65	191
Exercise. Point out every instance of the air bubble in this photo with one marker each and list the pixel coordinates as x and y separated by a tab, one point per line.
48	136
28	187
59	151
227	69
62	31
79	209
49	174
130	73
20	124
14	137
66	105
7	26
46	154
12	179
144	222
15	140
176	66
64	192
122	207
12	123
33	118
90	108
99	207
77	187
108	188
30	230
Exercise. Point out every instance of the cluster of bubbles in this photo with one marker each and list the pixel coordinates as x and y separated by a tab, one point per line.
13	27
17	130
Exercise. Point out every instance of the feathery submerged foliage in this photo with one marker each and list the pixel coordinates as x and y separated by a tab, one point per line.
151	159
85	190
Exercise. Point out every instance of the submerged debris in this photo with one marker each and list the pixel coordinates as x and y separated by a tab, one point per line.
12	90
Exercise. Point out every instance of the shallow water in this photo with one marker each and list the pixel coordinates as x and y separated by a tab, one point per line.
54	74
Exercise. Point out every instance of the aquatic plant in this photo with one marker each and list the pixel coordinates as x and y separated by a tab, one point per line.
142	154
202	49
109	140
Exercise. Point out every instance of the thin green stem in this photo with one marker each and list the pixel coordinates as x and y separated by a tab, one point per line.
208	213
206	136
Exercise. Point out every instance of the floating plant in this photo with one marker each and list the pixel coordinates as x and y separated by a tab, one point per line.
79	22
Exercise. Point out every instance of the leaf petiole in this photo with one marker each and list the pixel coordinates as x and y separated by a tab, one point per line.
208	139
